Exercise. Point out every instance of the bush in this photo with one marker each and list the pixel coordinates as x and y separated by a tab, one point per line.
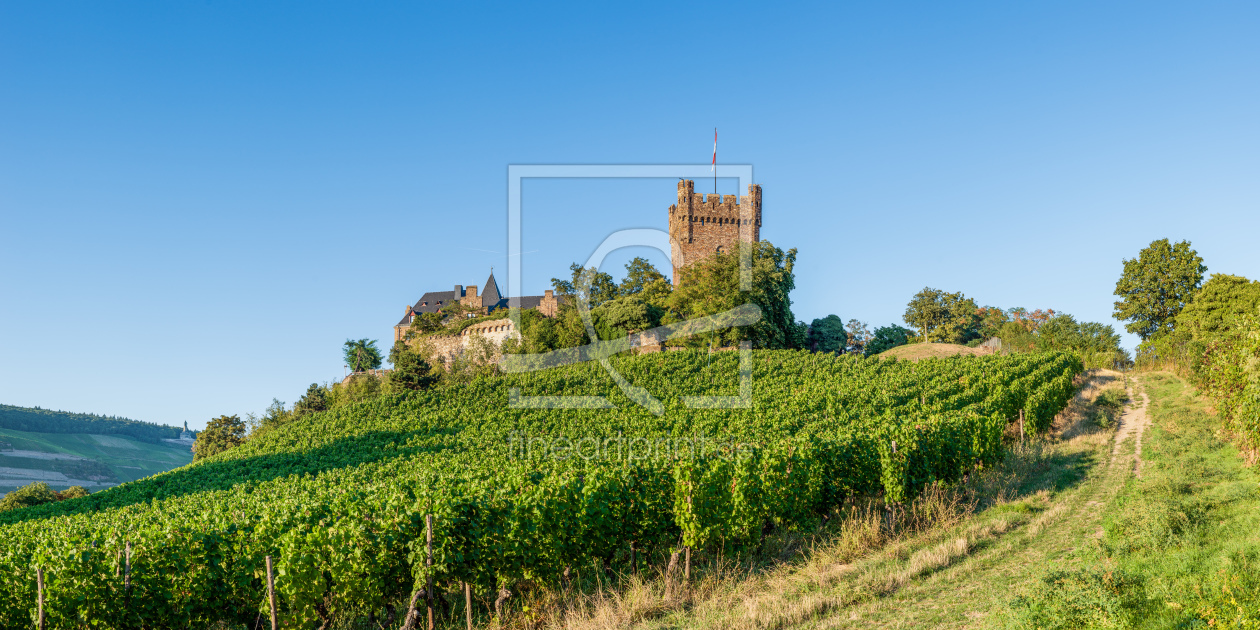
73	492
34	494
1108	406
358	388
1081	599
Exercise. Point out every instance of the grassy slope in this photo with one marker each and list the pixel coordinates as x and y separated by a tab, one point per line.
917	351
126	459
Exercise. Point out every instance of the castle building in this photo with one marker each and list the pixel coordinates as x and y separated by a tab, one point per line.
699	226
490	299
702	225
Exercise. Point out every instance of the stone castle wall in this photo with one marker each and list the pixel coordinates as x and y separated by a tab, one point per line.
702	225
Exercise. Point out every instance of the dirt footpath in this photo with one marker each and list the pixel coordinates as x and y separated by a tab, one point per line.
1132	424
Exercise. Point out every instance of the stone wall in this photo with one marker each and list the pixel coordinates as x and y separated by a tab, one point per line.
495	330
549	305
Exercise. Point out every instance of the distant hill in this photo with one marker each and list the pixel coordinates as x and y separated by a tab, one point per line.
47	421
94	461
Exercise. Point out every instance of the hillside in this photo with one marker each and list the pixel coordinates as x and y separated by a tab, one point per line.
520	489
82	459
919	351
34	419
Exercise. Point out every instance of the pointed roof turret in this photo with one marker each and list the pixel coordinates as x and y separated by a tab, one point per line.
490	296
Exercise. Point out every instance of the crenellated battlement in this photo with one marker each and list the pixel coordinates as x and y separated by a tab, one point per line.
701	225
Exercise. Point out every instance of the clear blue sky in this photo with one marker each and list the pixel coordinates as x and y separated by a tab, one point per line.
200	201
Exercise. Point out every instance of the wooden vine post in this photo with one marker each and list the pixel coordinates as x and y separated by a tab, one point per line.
127	569
39	598
687	548
271	592
468	604
428	564
1021	427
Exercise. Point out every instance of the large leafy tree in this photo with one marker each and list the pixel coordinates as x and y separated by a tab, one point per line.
362	355
712	286
827	334
990	319
941	316
1156	286
596	286
1218	307
645	281
886	338
220	434
624	315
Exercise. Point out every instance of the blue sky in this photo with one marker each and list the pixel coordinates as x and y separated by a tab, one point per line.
200	201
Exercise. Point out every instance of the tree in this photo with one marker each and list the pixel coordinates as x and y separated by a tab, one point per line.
858	336
601	286
425	324
362	355
221	434
28	496
315	399
273	416
1218	307
411	372
942	317
827	334
645	281
712	286
886	338
73	492
1156	286
989	321
625	315
1030	321
1060	332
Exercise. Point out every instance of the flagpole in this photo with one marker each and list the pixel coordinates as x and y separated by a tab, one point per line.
715	161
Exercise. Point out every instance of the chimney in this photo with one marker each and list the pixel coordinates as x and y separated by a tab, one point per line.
472	290
547	294
459	291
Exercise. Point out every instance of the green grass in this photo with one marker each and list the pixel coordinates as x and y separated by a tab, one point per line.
118	457
1181	544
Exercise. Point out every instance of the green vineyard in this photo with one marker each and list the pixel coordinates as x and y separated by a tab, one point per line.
339	499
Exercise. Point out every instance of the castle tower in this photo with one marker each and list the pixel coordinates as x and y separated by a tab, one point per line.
700	225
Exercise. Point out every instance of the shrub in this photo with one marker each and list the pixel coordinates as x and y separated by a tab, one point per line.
1108	406
34	494
1081	599
73	492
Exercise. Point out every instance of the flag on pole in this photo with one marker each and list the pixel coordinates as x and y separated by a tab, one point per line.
713	168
